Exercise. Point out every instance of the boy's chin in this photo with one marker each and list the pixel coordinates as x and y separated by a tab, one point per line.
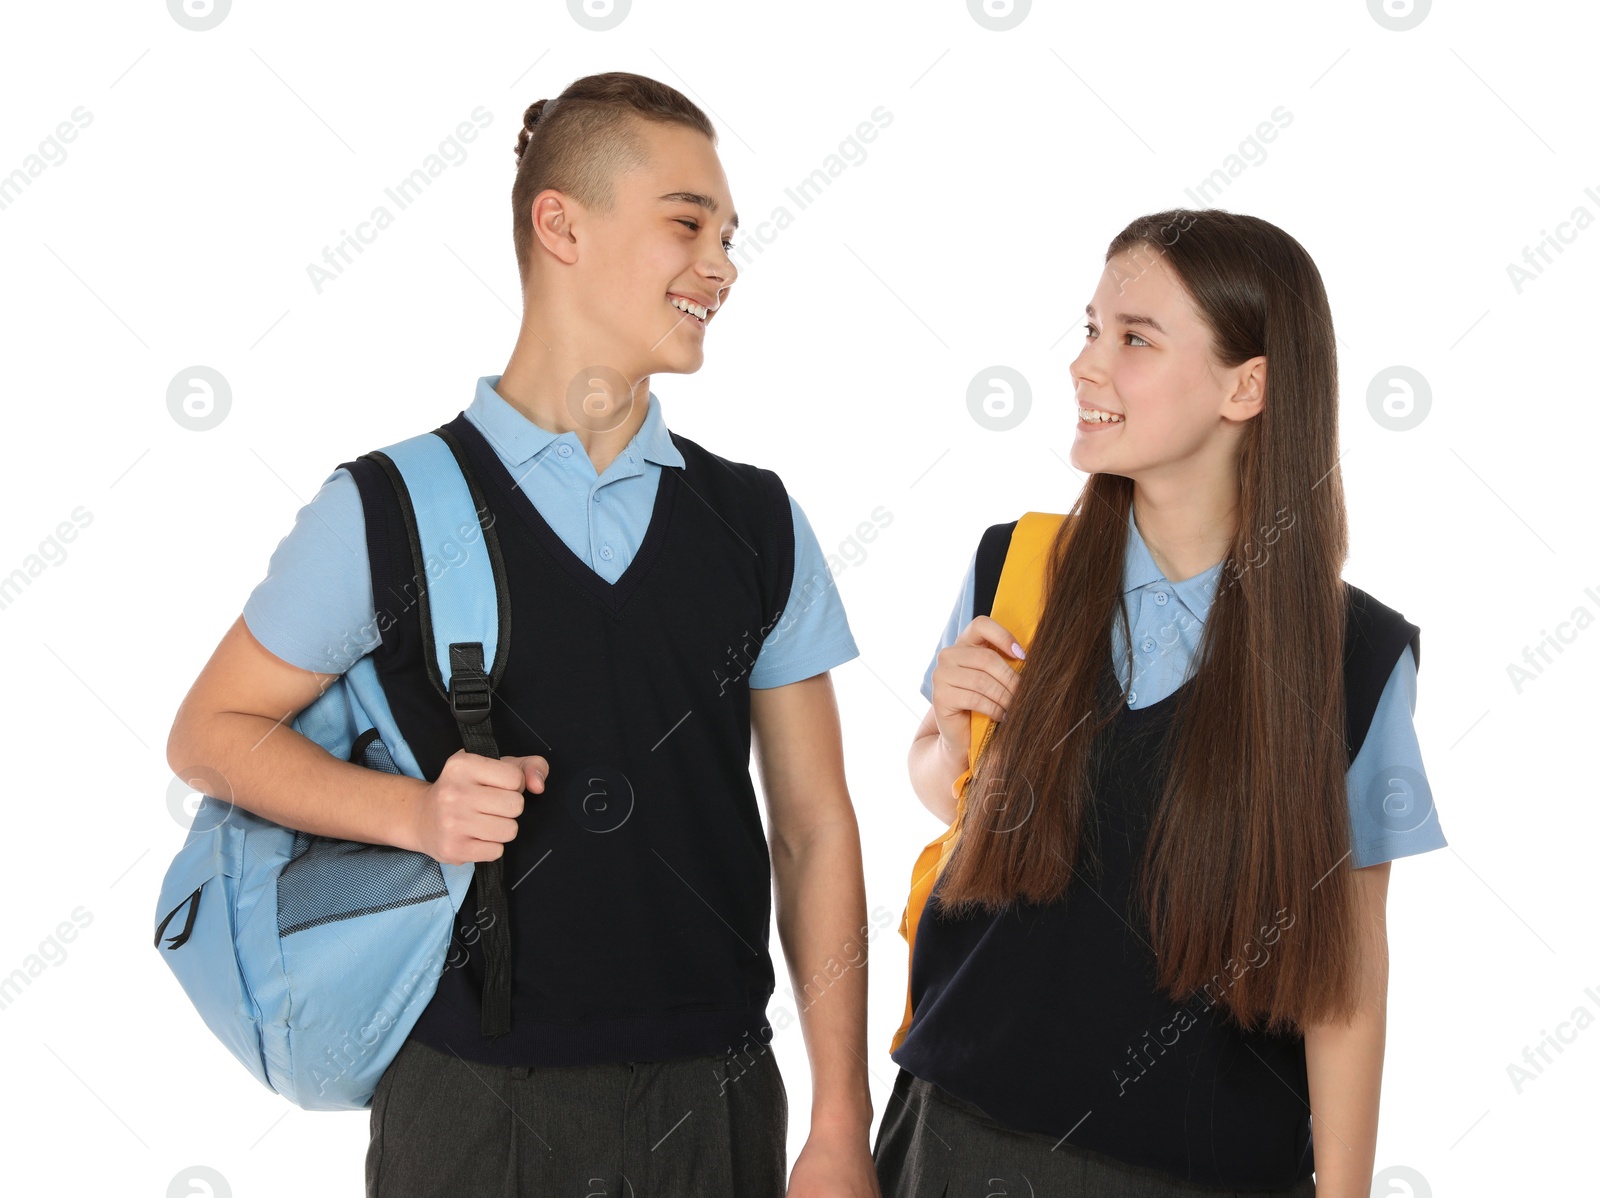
687	362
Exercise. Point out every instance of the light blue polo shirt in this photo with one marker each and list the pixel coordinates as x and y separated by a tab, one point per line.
1390	816
314	608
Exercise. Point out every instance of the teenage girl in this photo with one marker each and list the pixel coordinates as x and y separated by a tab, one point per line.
1149	955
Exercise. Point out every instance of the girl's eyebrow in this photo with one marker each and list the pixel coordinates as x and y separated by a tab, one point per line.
1131	318
709	203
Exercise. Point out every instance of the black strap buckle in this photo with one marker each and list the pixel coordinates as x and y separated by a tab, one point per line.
469	696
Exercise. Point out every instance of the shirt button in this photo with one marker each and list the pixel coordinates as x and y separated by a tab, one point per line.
1161	597
605	552
564	450
1133	697
1148	644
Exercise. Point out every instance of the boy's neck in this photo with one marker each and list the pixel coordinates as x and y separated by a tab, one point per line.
543	392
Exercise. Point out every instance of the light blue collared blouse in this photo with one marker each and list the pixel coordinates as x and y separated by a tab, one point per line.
1391	805
314	608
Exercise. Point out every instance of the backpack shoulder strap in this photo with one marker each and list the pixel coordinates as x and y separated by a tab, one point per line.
1008	584
992	549
458	570
1375	636
1010	574
460	581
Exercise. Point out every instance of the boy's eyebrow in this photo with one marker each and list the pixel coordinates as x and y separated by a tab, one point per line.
1131	318
709	203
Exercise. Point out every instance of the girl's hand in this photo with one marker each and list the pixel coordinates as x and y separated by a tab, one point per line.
973	674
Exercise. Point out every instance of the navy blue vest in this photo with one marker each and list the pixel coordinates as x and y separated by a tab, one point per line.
1047	1018
639	880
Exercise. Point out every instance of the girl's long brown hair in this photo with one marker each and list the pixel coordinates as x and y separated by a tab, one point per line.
1249	845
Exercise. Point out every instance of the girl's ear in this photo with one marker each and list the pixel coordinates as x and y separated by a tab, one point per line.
1250	390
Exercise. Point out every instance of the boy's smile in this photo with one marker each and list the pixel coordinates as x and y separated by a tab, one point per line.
698	310
673	223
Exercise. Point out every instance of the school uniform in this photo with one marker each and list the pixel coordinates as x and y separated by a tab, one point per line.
1039	1044
645	604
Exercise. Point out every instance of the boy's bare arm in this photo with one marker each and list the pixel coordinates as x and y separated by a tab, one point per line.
234	725
819	901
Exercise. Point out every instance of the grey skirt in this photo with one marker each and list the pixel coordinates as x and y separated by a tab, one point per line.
932	1144
711	1125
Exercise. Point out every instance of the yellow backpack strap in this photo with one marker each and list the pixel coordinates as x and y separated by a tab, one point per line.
1017	604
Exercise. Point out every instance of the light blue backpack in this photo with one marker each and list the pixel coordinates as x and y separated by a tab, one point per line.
313	958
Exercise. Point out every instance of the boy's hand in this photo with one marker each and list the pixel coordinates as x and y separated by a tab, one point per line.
834	1166
471	811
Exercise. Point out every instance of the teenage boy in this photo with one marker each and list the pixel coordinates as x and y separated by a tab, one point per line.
666	605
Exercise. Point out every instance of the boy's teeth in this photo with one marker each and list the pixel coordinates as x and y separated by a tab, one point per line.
685	306
1094	416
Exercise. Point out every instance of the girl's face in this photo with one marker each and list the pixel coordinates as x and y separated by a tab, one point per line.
1146	362
666	237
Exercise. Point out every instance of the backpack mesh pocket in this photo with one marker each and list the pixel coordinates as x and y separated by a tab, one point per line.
328	880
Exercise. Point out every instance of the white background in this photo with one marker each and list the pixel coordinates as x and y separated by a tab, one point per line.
217	166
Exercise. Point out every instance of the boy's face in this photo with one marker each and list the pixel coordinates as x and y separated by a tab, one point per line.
665	238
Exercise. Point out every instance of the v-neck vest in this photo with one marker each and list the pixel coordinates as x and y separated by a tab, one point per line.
1047	1018
639	879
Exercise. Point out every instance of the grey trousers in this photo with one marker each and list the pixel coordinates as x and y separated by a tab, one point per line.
713	1125
932	1144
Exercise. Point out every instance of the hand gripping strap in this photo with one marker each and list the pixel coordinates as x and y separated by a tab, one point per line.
1017	605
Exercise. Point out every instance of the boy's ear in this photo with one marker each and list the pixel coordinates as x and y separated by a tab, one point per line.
553	225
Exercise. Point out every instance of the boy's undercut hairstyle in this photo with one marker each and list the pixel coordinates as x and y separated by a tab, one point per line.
580	141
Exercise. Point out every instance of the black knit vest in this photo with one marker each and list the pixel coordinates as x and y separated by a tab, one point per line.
1047	1018
639	879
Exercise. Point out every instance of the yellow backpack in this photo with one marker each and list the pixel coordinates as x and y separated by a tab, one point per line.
1018	601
